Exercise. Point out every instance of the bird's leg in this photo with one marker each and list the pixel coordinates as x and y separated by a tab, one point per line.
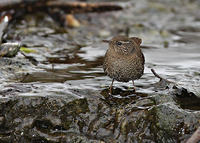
111	86
134	86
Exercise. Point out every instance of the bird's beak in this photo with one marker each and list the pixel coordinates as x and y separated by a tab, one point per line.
105	41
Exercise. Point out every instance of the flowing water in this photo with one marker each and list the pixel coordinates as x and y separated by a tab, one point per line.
75	56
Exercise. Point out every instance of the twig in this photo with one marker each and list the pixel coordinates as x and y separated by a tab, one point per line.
31	59
22	80
195	138
156	75
161	78
127	31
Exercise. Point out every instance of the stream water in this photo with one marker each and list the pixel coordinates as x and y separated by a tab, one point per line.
75	56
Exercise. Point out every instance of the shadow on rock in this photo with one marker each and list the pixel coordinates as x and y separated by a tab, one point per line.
120	97
187	100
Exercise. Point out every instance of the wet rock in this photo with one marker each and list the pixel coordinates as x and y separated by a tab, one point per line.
9	49
13	69
173	124
2	120
60	119
88	116
174	116
40	117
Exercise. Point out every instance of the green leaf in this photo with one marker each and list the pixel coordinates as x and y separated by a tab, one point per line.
27	50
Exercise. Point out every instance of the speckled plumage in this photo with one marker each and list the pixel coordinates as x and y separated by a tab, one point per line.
124	60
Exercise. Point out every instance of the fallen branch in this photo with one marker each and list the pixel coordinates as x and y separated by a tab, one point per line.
80	7
68	7
6	5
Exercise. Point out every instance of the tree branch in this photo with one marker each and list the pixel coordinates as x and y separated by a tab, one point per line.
68	7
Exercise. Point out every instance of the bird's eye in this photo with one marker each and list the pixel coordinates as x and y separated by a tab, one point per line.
119	43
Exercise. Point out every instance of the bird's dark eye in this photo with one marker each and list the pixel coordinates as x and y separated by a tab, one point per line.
119	43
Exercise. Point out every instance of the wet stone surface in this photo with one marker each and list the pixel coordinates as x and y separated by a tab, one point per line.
65	98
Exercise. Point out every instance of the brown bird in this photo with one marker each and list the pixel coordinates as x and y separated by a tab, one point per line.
124	60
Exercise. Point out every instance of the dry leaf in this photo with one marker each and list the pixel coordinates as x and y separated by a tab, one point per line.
71	21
